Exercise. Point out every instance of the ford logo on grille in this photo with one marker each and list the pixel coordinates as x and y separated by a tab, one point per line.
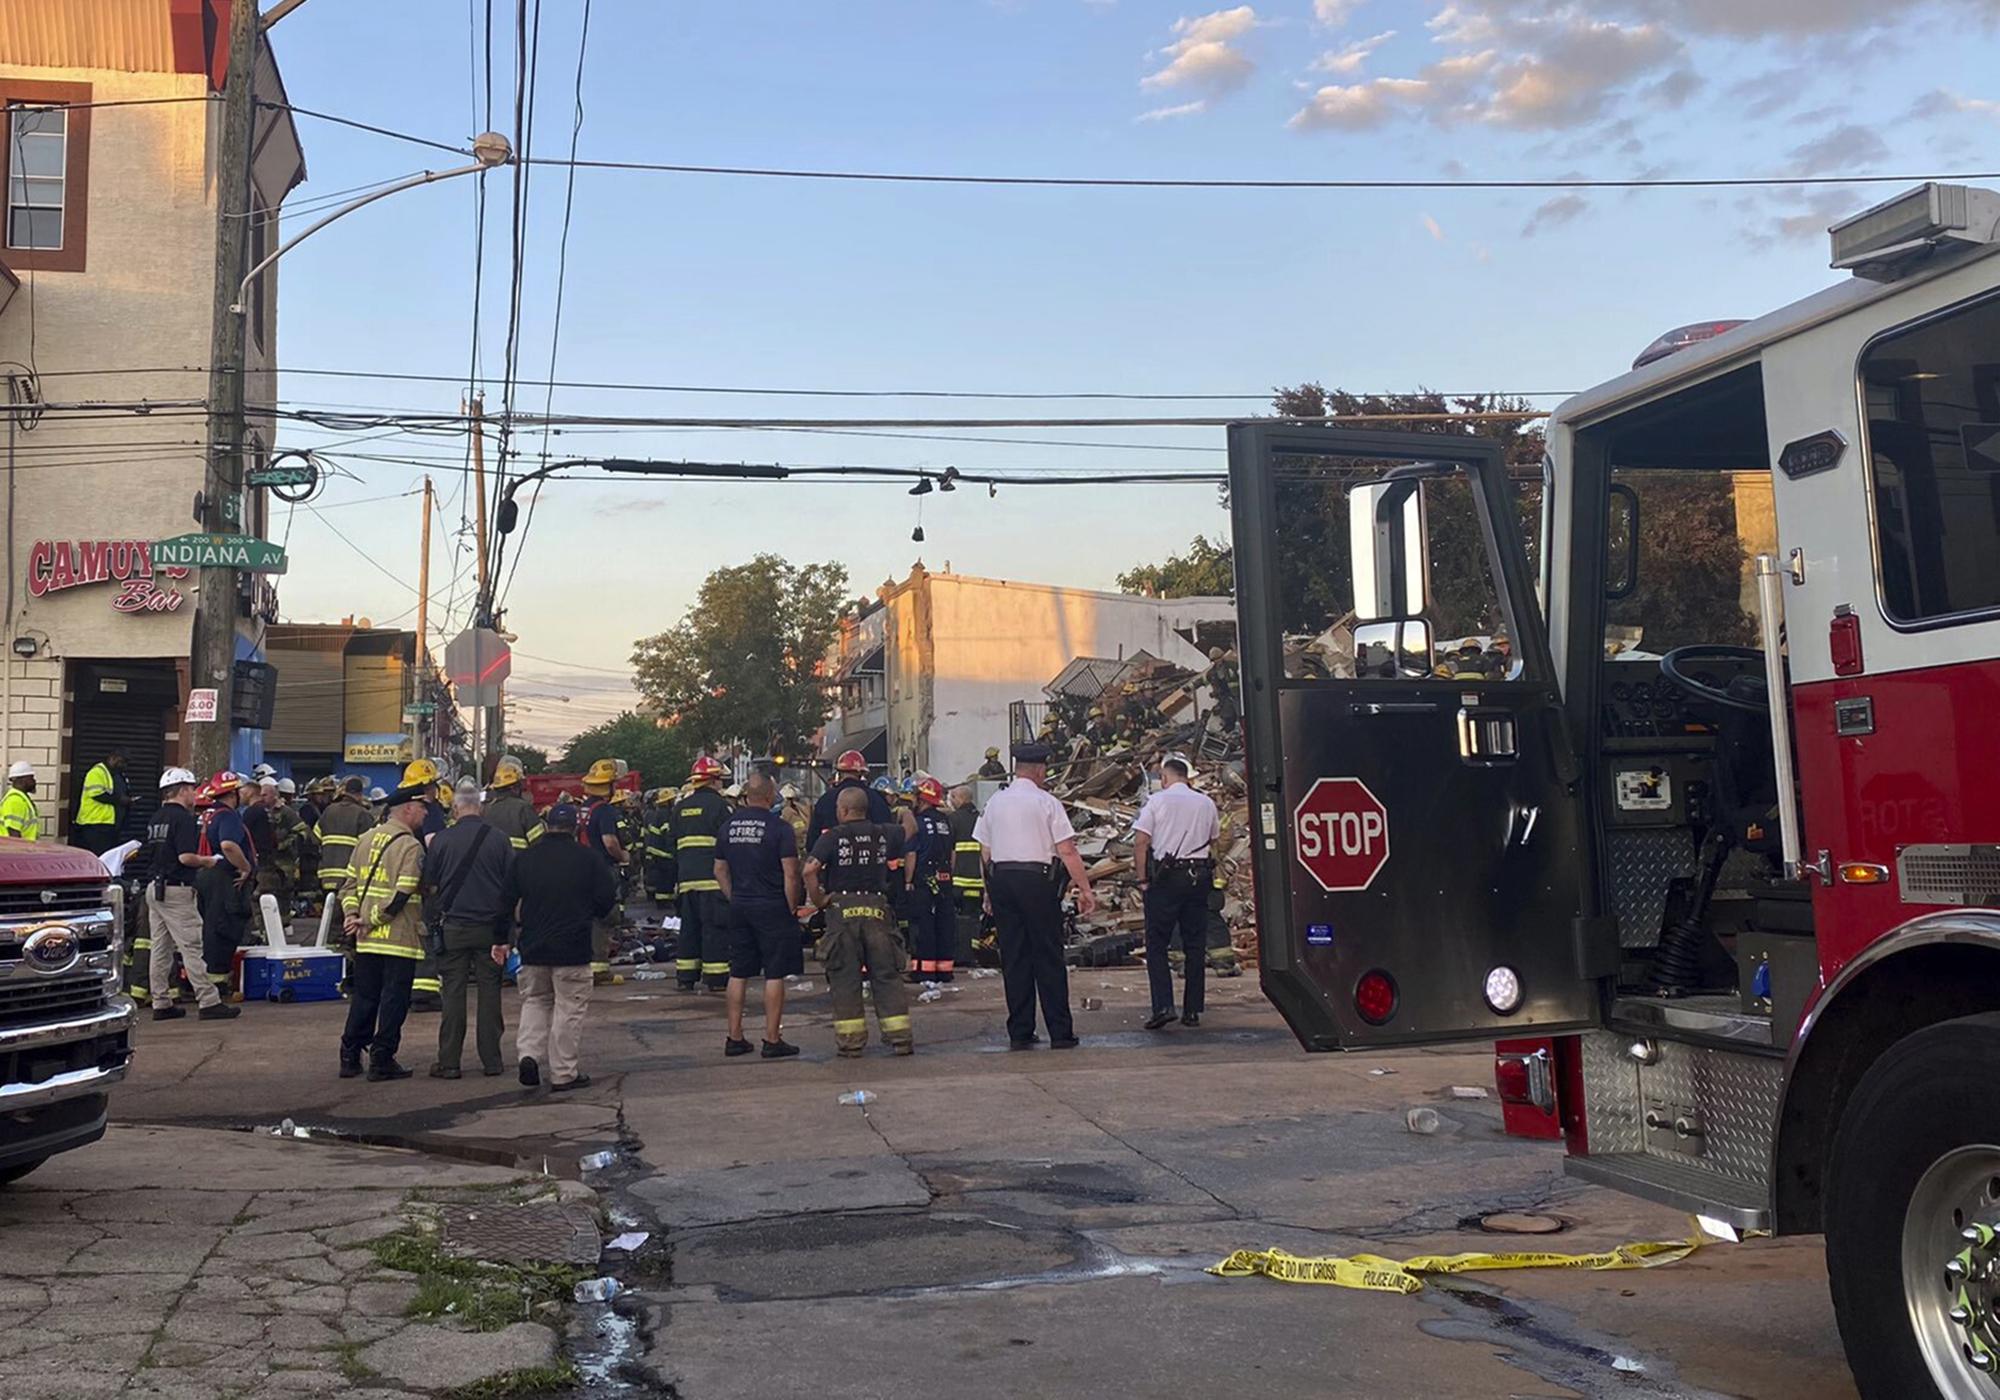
52	948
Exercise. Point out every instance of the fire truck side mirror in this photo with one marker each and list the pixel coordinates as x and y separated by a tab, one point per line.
1399	650
1389	549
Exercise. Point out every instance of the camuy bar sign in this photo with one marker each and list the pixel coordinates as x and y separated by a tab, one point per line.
55	566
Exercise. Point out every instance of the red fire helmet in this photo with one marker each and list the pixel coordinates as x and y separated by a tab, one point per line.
851	762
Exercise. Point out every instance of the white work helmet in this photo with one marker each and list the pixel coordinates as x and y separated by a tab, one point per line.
376	794
263	771
21	768
288	787
268	784
790	792
177	777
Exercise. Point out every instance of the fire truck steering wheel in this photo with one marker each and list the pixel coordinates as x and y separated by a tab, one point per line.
1743	692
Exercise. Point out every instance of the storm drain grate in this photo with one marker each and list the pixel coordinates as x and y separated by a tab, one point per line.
532	1234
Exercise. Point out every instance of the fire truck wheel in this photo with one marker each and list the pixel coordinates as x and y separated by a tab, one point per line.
10	1175
1912	1208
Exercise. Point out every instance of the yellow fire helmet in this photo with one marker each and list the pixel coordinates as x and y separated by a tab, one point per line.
446	792
421	772
506	772
601	776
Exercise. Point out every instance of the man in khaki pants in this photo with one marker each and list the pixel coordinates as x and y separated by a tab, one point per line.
173	840
561	889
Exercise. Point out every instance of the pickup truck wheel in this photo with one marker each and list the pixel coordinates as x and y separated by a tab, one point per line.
10	1175
1913	1218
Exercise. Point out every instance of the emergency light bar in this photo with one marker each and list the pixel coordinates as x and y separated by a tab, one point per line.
1883	243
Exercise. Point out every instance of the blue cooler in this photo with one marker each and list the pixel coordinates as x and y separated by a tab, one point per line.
289	974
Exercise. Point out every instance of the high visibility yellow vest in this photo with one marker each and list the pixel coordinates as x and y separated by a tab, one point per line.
19	817
94	808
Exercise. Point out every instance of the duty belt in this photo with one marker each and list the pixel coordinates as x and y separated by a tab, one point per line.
1026	867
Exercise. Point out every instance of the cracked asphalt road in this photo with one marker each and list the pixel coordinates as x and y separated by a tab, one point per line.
1004	1224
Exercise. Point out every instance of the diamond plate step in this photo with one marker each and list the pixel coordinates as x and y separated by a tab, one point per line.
1672	1184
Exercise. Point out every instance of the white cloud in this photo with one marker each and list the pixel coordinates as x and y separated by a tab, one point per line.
1349	60
1572	70
1334	13
1943	102
1203	53
1358	106
1844	148
1433	228
1184	109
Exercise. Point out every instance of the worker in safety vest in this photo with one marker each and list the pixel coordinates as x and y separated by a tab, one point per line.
100	809
968	879
662	870
602	830
701	955
19	816
508	810
382	908
341	823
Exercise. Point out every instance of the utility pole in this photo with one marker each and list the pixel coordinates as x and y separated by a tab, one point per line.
476	410
421	688
213	658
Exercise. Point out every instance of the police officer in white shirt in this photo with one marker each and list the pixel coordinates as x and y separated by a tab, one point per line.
1175	854
1024	834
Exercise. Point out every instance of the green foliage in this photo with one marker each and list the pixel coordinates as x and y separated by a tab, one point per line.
1691	558
1207	569
660	754
525	1384
533	760
485	1297
744	664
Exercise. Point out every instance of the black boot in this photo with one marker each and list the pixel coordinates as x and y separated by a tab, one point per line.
350	1066
385	1067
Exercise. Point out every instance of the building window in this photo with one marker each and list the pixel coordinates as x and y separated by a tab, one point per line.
1933	400
45	158
37	142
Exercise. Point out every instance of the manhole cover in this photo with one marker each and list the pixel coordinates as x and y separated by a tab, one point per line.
1512	1223
537	1234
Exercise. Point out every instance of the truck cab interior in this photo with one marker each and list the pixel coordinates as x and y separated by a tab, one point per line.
1669	694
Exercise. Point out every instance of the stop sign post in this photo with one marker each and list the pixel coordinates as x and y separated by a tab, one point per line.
1340	834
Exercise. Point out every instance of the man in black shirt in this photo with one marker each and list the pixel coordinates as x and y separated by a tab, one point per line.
854	858
173	842
757	866
603	832
467	866
853	776
559	889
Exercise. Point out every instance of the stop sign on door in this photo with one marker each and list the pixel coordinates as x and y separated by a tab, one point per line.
1340	833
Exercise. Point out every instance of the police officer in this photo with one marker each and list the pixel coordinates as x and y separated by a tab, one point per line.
1174	850
601	829
1025	837
19	817
852	772
927	875
508	811
100	809
341	824
662	870
701	955
757	866
847	875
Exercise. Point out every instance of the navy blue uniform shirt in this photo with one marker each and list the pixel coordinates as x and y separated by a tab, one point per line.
756	842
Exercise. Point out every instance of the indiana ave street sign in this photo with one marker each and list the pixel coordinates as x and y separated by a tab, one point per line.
244	552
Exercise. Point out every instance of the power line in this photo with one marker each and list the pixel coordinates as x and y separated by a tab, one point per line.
361	126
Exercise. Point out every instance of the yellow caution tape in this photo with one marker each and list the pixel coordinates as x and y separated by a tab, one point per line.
1371	1271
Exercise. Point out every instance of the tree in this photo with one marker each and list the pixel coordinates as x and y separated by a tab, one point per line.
533	760
661	754
745	664
1208	569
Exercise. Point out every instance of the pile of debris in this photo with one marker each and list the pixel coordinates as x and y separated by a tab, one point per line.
1104	773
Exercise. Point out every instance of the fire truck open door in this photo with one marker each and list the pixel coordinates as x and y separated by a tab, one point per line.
1421	863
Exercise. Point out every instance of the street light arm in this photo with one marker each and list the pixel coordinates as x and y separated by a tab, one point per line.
424	177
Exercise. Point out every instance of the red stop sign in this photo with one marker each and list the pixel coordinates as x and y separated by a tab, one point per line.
1340	834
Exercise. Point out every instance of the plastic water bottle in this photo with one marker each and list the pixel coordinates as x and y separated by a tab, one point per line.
1422	1120
598	1161
596	1290
859	1098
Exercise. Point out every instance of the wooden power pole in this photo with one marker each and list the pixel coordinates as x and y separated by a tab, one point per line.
213	657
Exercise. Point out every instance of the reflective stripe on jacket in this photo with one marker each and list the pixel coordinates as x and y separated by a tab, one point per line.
19	816
388	861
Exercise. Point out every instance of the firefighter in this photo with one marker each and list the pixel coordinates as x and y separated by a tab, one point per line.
992	767
318	795
279	876
796	812
701	954
600	830
851	771
382	905
508	810
661	867
927	876
19	817
632	836
853	857
421	774
340	826
223	890
101	808
968	880
1222	678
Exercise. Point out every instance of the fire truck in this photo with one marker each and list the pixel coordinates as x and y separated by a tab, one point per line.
1701	820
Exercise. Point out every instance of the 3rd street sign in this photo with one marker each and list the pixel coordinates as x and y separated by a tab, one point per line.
244	552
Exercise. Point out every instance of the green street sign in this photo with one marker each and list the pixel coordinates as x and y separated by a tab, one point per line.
290	474
219	552
419	710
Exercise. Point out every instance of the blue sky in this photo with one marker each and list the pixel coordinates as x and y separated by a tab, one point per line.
711	280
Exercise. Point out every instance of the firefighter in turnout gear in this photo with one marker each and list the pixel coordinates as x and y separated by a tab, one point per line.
602	830
383	927
968	881
702	953
340	827
662	869
852	771
847	875
508	810
427	988
927	874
